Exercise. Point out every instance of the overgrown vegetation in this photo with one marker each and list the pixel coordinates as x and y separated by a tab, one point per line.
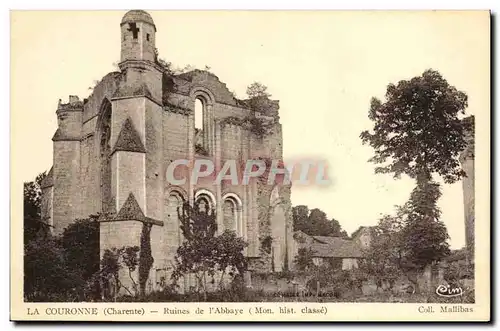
304	259
59	268
206	255
417	132
266	244
33	224
315	223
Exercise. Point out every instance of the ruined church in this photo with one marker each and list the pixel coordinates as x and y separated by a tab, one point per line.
111	151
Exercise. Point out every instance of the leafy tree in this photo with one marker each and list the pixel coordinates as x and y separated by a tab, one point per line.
145	257
425	236
385	251
257	89
404	244
112	262
33	224
417	131
315	223
203	253
70	259
130	260
266	244
108	275
300	215
80	244
229	255
46	276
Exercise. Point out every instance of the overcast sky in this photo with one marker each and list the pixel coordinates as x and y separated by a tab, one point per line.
323	67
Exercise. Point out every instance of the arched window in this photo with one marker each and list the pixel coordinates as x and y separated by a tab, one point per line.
200	127
174	202
198	114
233	214
105	156
229	210
278	230
205	201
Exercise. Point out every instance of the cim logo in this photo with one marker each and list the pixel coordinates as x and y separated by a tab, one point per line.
448	291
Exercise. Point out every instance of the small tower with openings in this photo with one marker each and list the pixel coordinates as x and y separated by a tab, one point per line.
138	36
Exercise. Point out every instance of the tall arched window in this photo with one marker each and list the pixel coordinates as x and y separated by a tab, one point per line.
200	132
229	210
233	214
278	230
172	227
198	114
105	156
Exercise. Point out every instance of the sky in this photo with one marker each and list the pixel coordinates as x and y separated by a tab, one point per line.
324	67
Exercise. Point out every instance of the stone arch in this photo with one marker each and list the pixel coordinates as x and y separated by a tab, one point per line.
232	210
200	92
176	190
104	147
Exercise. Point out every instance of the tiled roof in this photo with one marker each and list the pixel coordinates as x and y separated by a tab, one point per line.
60	136
131	211
335	247
128	139
137	16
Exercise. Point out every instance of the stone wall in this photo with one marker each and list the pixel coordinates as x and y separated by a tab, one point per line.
167	133
66	194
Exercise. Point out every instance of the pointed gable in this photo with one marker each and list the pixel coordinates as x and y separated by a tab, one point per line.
129	139
131	211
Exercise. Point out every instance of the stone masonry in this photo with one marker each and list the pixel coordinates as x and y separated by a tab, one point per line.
467	161
111	151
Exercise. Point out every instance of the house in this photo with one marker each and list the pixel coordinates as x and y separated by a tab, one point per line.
339	252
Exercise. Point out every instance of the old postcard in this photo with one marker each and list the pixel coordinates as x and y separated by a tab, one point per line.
250	165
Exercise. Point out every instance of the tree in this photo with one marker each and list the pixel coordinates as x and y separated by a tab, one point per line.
46	276
71	259
112	262
385	252
32	209
108	275
257	89
315	222
300	215
304	259
204	254
146	260
417	131
229	255
80	245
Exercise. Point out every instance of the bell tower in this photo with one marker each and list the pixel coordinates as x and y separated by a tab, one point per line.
138	36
